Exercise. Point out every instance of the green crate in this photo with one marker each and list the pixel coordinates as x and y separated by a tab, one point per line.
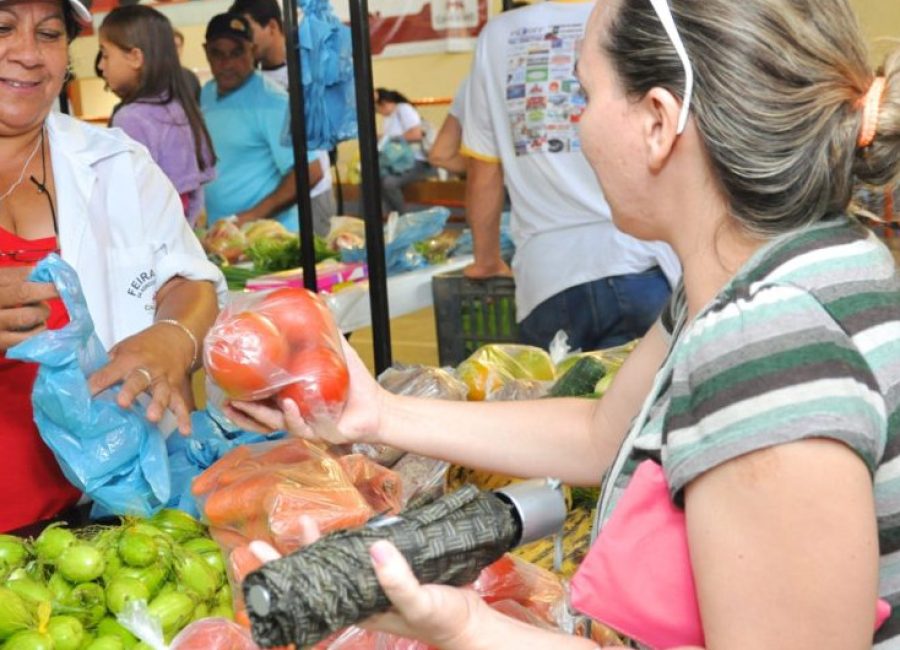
471	313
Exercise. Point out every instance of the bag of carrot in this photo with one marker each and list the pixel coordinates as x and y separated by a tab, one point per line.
260	492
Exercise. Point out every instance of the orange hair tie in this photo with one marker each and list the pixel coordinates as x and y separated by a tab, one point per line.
871	102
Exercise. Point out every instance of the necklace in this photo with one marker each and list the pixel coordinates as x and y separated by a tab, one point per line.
31	156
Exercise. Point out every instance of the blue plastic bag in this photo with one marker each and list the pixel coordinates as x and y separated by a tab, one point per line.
464	245
212	436
329	93
395	157
399	237
113	455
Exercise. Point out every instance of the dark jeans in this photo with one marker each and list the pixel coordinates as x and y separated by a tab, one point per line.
599	314
392	186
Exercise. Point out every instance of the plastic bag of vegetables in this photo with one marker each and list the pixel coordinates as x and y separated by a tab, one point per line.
212	633
281	343
259	492
112	454
492	366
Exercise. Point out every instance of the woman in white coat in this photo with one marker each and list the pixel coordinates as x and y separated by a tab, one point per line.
98	199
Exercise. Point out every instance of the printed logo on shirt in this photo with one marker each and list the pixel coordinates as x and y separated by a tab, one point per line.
141	283
543	96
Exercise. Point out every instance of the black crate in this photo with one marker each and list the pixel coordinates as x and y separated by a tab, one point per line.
470	313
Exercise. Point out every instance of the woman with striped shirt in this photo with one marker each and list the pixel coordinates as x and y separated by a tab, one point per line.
769	392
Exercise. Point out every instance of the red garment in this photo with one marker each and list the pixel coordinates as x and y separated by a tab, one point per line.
185	202
31	482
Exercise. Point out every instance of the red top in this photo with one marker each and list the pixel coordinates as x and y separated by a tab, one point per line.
31	483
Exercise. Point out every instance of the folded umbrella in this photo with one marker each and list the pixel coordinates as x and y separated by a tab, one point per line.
304	597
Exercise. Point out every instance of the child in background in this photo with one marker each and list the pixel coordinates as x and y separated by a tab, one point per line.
140	64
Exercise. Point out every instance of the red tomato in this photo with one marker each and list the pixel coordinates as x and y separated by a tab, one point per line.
243	353
322	384
300	315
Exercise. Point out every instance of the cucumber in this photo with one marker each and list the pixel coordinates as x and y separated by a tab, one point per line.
581	378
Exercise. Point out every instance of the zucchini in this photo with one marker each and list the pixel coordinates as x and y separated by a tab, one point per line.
581	378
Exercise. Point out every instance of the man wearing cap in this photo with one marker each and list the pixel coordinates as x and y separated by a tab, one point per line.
270	49
244	114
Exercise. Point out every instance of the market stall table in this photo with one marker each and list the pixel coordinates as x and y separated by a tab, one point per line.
407	292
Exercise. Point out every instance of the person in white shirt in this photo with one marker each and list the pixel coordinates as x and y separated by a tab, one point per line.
267	26
403	123
574	270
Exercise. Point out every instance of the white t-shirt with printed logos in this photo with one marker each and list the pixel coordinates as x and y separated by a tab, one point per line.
522	109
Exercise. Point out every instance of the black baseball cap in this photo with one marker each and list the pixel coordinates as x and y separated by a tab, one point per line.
229	25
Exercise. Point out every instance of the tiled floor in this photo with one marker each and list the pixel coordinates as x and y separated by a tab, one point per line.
412	340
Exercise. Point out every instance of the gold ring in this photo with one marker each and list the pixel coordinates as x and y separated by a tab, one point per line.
145	374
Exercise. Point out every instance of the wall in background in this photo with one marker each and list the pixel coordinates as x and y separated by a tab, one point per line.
880	21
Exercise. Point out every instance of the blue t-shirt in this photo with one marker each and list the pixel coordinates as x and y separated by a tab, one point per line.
245	126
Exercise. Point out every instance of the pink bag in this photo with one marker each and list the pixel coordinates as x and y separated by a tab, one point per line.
637	576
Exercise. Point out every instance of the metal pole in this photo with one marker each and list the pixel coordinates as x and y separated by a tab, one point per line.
371	184
298	136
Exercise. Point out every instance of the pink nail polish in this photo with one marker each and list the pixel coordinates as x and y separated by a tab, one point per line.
380	552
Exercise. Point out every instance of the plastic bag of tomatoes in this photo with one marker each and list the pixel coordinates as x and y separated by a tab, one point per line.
283	344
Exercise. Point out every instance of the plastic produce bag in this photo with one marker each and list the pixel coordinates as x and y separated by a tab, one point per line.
114	455
212	436
519	389
346	232
259	492
400	234
464	243
577	372
511	586
326	56
282	342
213	634
395	157
416	381
492	366
423	381
204	634
356	638
447	542
535	589
423	478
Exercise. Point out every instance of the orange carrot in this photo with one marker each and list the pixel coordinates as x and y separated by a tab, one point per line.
239	501
207	480
238	473
332	508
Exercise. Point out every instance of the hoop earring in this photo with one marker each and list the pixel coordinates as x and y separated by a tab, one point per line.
69	75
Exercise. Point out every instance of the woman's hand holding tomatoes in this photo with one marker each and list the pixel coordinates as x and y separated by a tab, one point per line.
287	346
359	422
